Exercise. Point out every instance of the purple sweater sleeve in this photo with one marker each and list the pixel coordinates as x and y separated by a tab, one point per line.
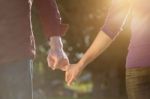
116	17
50	18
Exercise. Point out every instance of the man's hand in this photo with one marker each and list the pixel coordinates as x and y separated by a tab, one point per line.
57	58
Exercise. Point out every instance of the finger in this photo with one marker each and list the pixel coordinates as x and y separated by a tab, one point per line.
64	62
68	77
60	63
63	65
50	61
70	81
66	74
55	63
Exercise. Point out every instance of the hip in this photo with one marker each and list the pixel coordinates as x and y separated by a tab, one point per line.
138	57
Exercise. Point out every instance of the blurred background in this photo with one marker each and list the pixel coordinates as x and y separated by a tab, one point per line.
104	78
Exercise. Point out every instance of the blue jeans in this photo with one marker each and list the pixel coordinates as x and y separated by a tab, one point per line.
16	80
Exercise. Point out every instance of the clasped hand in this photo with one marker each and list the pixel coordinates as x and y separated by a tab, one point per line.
57	59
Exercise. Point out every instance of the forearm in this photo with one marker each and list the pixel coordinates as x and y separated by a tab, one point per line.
114	22
101	42
55	42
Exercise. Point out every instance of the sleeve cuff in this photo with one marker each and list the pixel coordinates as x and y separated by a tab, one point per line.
60	31
111	33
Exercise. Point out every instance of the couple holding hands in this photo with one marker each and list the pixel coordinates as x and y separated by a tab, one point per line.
138	58
18	50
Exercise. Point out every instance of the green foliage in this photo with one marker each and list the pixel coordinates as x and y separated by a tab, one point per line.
81	87
86	97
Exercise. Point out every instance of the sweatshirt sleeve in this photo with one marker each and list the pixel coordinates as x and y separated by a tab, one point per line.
50	18
116	17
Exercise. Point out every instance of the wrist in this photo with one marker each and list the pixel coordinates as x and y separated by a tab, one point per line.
82	64
55	42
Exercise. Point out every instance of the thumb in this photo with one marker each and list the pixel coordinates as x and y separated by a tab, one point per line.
50	62
55	63
69	83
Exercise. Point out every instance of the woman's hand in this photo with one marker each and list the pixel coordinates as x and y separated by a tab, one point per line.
73	72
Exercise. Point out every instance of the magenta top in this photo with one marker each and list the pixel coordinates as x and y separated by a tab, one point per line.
139	48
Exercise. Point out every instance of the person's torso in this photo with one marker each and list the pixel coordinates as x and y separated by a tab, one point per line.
140	25
15	29
139	47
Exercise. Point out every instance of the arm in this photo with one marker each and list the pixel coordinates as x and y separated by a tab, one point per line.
50	18
101	42
114	22
116	17
53	30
